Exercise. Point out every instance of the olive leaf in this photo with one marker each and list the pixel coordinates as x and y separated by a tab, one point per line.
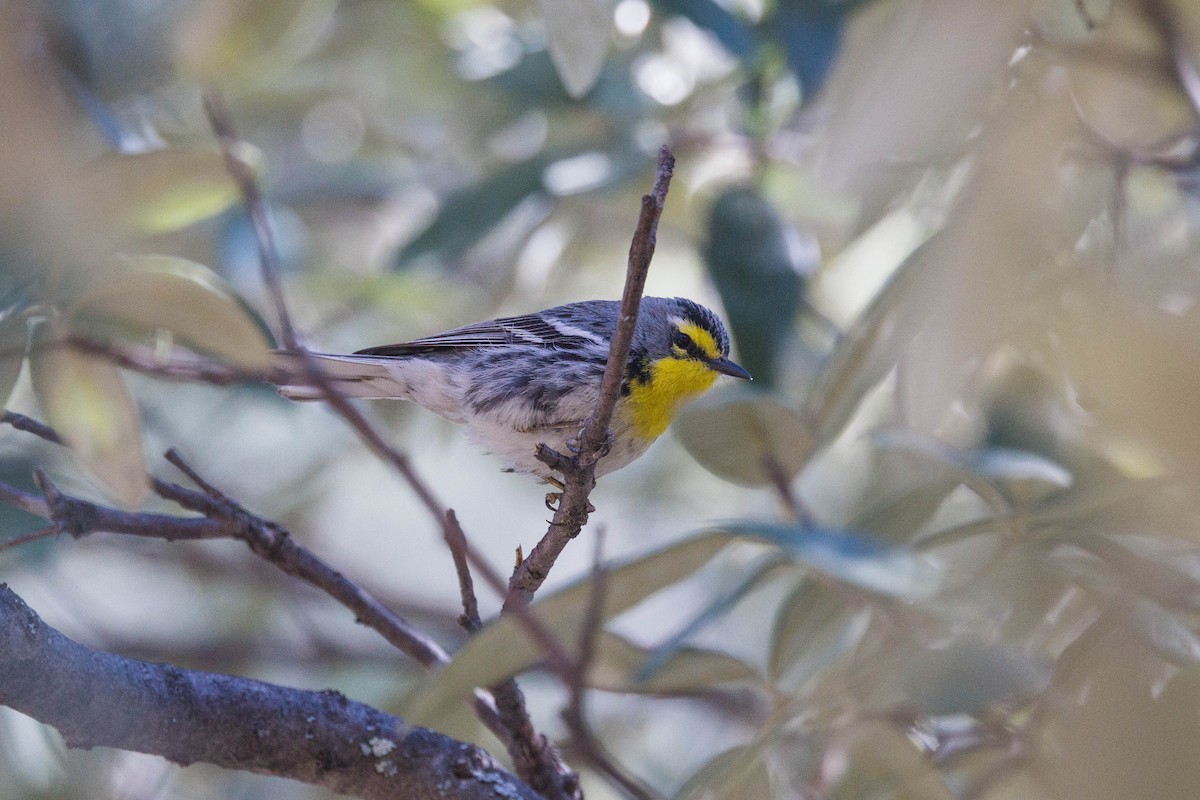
150	293
86	401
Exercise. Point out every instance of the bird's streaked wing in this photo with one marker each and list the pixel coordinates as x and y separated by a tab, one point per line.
530	329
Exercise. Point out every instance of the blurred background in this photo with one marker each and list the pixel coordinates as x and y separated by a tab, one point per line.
955	243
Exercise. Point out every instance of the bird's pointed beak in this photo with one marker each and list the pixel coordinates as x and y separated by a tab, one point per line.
726	367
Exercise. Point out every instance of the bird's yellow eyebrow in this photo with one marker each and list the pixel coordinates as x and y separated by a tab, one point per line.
703	339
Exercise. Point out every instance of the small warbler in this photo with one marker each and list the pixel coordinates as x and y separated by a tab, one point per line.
516	382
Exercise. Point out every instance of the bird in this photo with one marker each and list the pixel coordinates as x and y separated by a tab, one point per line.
517	382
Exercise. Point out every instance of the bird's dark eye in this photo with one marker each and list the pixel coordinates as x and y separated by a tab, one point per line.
681	340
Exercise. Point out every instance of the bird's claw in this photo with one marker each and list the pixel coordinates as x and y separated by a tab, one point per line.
573	445
553	499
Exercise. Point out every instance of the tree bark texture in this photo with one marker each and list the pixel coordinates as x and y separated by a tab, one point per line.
186	716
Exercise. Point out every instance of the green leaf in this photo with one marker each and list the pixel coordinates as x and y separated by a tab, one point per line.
504	648
736	774
1023	477
868	351
163	190
619	666
162	293
1165	571
756	265
467	215
86	401
813	629
1069	22
578	33
222	41
735	433
1162	630
897	516
756	575
851	557
1170	637
969	676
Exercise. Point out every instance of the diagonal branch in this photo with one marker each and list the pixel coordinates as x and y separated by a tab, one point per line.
225	520
21	422
98	699
534	757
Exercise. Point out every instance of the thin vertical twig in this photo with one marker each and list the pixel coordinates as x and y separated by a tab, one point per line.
579	470
239	168
456	541
587	745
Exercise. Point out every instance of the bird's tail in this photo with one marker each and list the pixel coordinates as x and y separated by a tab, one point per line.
352	375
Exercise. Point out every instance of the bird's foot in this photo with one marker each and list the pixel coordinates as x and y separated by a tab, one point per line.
573	445
553	498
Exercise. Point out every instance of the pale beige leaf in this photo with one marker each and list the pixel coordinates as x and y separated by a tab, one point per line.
882	762
578	33
505	648
160	191
164	293
736	774
86	401
619	664
227	41
12	354
735	434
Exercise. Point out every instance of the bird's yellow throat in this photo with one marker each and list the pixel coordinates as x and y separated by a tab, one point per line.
673	381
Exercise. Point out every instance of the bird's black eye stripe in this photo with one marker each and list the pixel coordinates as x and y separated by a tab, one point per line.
682	341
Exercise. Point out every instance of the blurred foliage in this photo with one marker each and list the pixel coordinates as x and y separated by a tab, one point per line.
756	261
955	241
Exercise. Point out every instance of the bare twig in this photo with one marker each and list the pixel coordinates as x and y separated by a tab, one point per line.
593	615
783	488
457	542
240	169
558	659
586	745
579	470
177	368
521	738
224	519
535	758
273	543
536	761
29	425
26	501
595	431
32	536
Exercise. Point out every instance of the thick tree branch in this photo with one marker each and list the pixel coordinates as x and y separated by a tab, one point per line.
98	699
